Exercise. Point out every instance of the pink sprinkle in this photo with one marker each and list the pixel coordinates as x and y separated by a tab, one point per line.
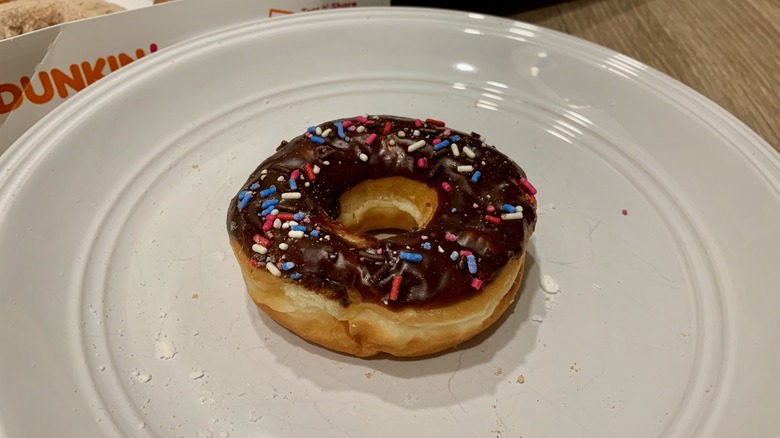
254	263
379	251
422	162
446	133
475	205
417	122
449	237
361	119
370	139
528	186
346	123
388	127
476	283
268	225
447	188
625	212
306	220
490	208
352	128
269	235
307	135
465	253
295	174
436	141
424	237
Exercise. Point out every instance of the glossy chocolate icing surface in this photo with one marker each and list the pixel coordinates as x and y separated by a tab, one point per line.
285	214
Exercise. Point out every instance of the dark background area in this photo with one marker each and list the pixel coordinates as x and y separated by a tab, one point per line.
485	7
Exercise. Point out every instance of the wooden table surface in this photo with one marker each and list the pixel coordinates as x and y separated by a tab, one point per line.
727	50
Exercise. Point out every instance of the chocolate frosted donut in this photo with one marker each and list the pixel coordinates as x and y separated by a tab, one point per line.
301	228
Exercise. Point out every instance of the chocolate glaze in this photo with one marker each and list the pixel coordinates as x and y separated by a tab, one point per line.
329	265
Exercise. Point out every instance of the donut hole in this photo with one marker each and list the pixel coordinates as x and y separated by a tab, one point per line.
388	206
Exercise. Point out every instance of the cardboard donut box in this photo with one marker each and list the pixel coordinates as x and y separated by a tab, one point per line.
41	69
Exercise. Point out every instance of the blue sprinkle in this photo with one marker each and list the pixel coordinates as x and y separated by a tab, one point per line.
244	201
268	192
298	217
298	228
453	210
454	256
441	145
340	129
426	245
288	265
471	262
242	193
296	276
254	186
410	257
508	208
314	233
312	129
475	177
270	203
267	211
293	184
455	138
317	139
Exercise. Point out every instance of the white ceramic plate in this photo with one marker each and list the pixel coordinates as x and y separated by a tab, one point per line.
114	254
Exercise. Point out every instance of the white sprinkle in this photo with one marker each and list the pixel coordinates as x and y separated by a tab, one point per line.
259	248
273	269
306	184
596	286
292	223
197	374
327	163
316	169
326	132
482	138
274	212
277	223
280	179
512	216
469	152
549	284
440	249
283	246
414	146
416	133
318	130
401	134
360	129
327	237
363	157
465	169
285	225
537	318
142	426
291	195
455	150
195	332
262	177
263	172
101	368
392	142
296	234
